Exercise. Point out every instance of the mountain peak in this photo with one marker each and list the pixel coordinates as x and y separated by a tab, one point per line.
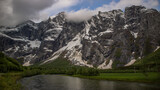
107	40
135	7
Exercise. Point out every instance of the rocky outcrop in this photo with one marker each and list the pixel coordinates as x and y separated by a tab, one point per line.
109	39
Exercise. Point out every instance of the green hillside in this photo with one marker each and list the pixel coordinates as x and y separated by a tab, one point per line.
8	64
58	63
63	66
149	63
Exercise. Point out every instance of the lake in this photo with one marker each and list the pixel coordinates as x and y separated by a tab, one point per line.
59	82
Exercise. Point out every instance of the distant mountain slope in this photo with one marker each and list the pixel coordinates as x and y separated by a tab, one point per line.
108	40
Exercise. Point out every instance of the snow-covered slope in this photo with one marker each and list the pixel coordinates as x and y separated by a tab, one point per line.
107	40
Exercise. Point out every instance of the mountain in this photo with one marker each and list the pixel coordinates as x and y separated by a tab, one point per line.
107	40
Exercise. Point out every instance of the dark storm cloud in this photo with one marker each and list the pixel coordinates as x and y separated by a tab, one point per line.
15	11
30	6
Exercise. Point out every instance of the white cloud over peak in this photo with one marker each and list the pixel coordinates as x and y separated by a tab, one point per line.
59	6
85	14
13	12
80	15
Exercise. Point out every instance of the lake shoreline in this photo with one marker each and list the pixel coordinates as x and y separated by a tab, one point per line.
64	82
153	77
143	79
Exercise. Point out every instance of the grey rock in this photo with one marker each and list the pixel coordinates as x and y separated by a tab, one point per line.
115	35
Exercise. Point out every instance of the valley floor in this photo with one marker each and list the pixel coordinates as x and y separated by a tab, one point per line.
150	77
9	81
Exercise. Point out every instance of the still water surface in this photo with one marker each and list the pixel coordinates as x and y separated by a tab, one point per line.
58	82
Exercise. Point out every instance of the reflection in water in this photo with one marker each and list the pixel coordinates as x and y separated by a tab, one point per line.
56	82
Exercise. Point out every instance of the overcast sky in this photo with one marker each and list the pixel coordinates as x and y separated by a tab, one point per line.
13	12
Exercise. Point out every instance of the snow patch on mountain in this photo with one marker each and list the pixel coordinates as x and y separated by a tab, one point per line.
52	34
87	28
9	49
92	23
27	63
46	49
104	66
126	26
16	39
4	35
9	30
74	42
30	24
49	38
35	44
59	29
131	62
95	42
157	48
107	31
16	48
28	58
72	54
134	34
25	48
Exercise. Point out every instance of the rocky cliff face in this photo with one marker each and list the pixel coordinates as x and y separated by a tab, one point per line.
107	40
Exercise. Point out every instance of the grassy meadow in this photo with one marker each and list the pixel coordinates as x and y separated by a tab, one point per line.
150	77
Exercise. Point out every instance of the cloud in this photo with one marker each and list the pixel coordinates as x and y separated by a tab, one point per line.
60	5
13	12
79	16
86	14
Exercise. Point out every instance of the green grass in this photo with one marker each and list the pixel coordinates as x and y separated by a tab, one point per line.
62	66
8	81
153	58
8	64
149	63
135	77
58	63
